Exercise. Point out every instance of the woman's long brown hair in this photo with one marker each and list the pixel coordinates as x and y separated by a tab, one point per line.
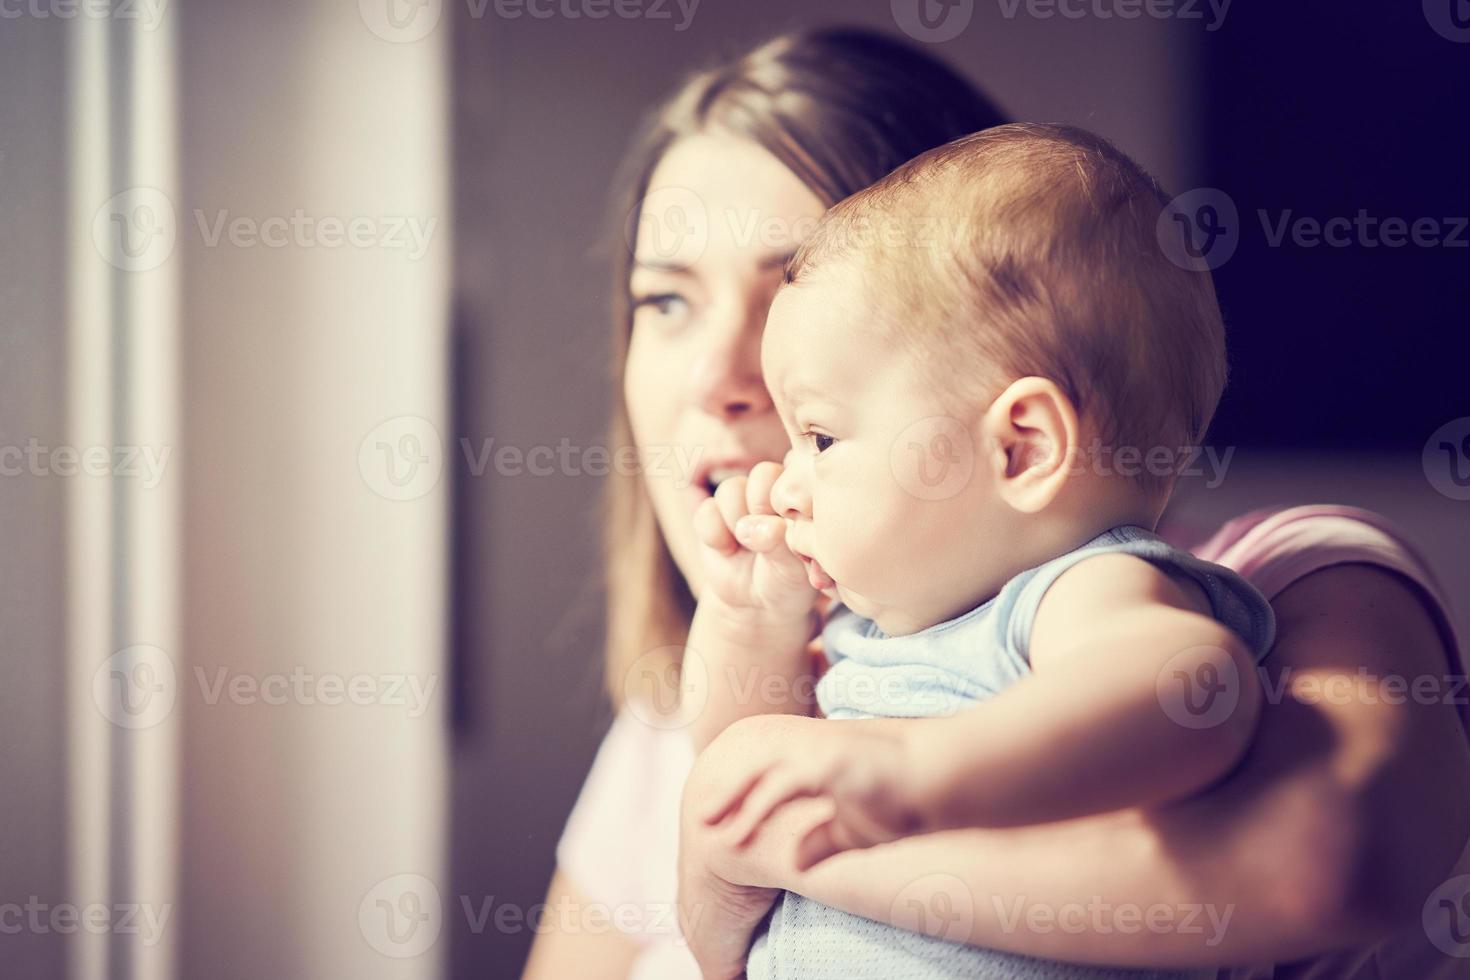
840	108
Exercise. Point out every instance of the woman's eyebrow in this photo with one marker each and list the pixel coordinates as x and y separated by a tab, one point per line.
777	260
655	265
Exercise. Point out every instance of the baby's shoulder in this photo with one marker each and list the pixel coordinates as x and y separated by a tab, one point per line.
1112	581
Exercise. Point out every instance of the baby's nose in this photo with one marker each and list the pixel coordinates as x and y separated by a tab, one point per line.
789	495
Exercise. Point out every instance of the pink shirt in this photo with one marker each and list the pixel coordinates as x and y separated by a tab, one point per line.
620	842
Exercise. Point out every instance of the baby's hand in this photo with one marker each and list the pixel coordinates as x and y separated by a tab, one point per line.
746	562
864	774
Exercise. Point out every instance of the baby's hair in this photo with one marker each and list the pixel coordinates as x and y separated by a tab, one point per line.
1032	249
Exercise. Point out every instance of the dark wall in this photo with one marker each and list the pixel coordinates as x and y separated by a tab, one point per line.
1320	111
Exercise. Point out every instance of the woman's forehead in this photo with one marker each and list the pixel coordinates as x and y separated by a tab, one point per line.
725	197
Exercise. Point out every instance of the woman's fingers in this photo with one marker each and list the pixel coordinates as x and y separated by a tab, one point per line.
818	845
725	805
826	839
780	785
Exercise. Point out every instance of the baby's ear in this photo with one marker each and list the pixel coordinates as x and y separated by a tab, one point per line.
1033	434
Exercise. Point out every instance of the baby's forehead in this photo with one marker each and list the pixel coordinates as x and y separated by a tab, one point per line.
803	311
779	339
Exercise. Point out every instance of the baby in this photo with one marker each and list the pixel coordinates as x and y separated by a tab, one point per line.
984	413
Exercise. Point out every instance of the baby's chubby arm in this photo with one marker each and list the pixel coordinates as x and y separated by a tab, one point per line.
746	652
1138	697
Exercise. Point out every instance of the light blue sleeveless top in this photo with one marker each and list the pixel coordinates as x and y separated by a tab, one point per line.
939	671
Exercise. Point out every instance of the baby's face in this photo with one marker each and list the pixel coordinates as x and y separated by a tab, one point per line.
883	492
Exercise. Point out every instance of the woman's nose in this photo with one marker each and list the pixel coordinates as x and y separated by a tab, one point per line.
726	375
789	495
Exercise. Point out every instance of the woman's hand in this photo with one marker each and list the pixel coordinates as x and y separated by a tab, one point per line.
862	774
1343	816
722	898
747	565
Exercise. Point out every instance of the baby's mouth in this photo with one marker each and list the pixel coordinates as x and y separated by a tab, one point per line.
817	576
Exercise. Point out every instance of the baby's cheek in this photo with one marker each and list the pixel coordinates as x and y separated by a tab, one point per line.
877	556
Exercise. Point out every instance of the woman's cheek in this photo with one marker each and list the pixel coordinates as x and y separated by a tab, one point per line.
652	411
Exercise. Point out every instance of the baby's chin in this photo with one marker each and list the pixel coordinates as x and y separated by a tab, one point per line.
850	599
836	592
890	620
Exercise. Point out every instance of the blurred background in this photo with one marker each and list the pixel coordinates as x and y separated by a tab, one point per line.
284	647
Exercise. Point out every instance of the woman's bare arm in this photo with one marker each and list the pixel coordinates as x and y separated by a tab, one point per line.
1344	815
597	954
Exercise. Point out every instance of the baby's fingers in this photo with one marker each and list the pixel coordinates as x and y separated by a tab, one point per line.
763	533
710	528
758	487
730	499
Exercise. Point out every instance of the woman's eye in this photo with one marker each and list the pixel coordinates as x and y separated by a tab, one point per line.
660	304
821	441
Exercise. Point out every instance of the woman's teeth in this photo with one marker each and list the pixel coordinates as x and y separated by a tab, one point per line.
718	476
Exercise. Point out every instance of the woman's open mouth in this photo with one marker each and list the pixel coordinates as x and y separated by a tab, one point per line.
710	475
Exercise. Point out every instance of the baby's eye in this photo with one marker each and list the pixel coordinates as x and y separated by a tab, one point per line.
821	441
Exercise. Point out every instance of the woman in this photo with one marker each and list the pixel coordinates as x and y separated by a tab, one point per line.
1341	822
